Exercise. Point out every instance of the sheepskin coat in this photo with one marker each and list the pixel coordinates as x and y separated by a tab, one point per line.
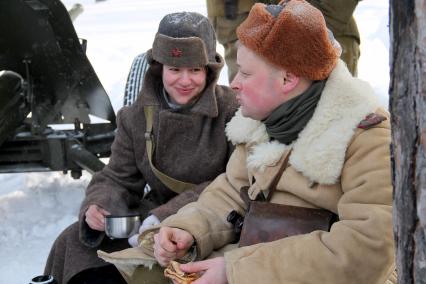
335	164
190	146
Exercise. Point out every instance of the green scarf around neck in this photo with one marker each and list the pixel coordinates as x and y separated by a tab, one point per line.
286	121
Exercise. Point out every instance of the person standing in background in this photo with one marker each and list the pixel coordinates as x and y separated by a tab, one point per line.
227	15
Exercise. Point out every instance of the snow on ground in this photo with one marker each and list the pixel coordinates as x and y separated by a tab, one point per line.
36	207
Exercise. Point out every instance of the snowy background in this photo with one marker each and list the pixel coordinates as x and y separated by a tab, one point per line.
36	207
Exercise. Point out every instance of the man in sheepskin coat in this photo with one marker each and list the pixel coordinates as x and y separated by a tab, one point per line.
295	94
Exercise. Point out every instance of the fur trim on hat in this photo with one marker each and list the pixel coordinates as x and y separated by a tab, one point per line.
185	39
296	39
179	52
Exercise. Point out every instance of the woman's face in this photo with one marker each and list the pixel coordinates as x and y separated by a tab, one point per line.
184	84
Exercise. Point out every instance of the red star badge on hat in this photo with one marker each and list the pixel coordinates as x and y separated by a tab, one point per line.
176	52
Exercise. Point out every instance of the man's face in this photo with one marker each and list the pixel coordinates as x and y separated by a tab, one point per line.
259	85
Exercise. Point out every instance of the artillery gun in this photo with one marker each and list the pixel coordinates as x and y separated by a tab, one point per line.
47	81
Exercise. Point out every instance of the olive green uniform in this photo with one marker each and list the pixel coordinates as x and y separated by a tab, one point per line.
337	14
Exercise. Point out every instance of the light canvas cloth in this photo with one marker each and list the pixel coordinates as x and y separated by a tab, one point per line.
128	260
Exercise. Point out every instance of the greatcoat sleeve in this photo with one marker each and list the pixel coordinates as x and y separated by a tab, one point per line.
358	248
118	187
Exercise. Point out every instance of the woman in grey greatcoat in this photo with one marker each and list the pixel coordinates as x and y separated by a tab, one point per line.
190	114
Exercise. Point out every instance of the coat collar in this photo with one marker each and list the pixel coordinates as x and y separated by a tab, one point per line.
207	103
319	151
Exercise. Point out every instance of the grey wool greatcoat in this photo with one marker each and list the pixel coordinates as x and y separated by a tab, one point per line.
190	145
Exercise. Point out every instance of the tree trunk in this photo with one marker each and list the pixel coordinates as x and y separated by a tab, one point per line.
408	108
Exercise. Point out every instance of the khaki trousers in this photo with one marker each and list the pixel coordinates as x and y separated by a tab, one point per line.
226	36
350	52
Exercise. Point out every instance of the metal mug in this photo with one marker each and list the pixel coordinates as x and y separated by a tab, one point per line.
119	227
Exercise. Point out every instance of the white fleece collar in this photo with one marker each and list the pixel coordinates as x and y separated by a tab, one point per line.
319	151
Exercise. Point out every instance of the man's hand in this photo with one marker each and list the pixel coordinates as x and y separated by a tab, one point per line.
95	217
170	244
212	270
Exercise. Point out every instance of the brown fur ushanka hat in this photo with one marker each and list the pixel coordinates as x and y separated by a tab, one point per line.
292	35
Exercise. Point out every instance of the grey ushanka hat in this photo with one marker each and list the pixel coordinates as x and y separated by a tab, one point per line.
185	39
